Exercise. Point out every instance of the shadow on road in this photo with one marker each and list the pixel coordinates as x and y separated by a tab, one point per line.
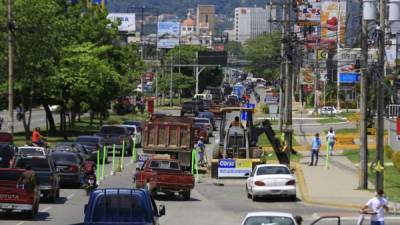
41	216
162	197
276	199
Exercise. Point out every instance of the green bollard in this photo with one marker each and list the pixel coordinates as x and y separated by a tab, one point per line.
193	158
133	157
113	159
122	155
98	164
104	162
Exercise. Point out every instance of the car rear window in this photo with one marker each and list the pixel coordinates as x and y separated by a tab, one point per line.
164	165
10	175
270	170
65	158
120	208
30	151
273	220
87	140
112	130
37	164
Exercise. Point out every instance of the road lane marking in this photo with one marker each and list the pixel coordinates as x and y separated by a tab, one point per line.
20	223
45	209
71	195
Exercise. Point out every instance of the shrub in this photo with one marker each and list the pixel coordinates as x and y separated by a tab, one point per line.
388	152
396	160
265	109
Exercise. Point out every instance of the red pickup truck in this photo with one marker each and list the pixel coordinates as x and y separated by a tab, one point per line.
166	176
16	197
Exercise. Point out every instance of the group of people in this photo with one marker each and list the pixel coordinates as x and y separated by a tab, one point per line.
316	145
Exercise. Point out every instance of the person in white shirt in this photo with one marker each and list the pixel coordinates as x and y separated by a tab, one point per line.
330	140
376	206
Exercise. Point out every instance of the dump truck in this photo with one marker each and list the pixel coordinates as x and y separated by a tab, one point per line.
170	135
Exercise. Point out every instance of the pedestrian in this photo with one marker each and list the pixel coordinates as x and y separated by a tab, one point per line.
330	140
376	207
201	147
315	145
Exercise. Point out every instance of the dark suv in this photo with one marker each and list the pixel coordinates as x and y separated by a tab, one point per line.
193	107
7	152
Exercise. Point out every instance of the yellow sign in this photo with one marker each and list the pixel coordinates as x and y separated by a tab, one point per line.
243	163
322	55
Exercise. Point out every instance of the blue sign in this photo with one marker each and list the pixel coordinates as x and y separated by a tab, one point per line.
250	106
349	78
226	163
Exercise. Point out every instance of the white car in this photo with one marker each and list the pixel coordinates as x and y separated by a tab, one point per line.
135	133
275	218
271	180
207	123
328	110
31	151
54	108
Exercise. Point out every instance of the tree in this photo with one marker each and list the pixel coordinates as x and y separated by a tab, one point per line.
263	53
234	49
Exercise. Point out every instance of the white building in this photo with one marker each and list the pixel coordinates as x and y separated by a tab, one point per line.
250	23
189	34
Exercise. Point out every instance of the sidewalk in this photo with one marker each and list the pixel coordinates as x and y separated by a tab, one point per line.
336	186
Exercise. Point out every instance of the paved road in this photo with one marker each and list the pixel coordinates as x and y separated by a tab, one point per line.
38	120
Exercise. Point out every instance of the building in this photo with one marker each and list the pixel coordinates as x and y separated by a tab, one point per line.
189	35
205	24
250	23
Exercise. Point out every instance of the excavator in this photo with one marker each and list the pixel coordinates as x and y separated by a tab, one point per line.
240	142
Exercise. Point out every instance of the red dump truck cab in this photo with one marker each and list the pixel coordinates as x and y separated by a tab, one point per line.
16	197
165	175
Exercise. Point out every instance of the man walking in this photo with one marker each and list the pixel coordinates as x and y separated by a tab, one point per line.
315	146
330	140
376	206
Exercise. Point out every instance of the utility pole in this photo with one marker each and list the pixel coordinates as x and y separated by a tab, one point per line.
316	75
170	86
288	81
10	69
282	76
380	98
363	176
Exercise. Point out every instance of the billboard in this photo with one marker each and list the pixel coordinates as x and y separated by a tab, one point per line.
168	34
349	78
212	58
333	21
234	167
306	76
347	58
309	13
127	21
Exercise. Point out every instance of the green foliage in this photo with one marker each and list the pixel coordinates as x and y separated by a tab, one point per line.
396	160
265	109
263	53
389	152
234	49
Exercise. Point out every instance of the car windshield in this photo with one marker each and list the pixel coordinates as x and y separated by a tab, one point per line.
269	220
112	130
120	208
37	164
30	151
65	158
271	170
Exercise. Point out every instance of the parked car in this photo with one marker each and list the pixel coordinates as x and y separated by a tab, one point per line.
122	206
7	153
209	115
116	136
16	197
93	144
191	108
44	167
135	132
70	167
164	175
207	123
271	180
203	96
328	110
31	151
73	147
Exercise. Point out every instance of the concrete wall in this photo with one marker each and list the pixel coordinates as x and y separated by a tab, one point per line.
394	141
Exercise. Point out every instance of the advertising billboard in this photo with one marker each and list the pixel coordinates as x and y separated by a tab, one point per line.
309	13
349	78
168	34
333	21
234	167
306	76
127	21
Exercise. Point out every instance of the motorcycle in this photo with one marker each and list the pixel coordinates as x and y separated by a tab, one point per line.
90	183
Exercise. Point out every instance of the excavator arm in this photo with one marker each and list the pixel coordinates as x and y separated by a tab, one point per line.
256	131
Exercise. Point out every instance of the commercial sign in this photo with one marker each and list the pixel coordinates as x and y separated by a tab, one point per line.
333	15
306	76
349	78
309	14
234	167
127	21
141	158
168	34
347	58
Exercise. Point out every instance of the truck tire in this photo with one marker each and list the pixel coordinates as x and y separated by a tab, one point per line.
58	191
182	113
186	195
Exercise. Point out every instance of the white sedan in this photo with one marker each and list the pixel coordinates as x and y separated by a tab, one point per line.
271	180
275	218
328	110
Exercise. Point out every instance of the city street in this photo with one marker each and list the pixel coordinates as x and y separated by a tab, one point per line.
38	120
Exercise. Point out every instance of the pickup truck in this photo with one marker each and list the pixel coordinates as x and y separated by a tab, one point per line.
122	206
164	175
116	135
16	197
44	167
